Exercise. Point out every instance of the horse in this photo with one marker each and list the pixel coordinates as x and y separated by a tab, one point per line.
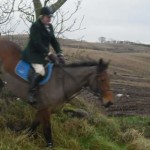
64	83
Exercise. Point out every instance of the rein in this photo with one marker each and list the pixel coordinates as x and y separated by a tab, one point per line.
95	92
76	82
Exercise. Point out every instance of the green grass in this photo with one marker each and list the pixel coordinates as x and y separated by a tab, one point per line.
140	123
97	132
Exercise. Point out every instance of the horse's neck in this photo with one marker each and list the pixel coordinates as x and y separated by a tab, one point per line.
77	78
80	74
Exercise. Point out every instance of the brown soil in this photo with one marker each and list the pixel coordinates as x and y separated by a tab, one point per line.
130	76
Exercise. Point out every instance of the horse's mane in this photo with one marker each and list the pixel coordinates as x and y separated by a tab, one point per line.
101	64
88	63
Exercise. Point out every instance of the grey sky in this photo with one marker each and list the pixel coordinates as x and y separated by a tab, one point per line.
116	19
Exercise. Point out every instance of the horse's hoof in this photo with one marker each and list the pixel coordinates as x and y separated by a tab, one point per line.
49	145
32	101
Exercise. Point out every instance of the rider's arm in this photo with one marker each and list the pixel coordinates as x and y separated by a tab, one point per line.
55	43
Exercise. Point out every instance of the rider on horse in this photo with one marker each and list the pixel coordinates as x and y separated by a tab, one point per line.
41	35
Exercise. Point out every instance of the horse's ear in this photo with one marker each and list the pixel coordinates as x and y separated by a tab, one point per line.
103	65
100	62
109	61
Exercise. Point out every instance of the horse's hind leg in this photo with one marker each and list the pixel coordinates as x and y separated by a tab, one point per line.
34	124
43	117
1	85
1	81
45	120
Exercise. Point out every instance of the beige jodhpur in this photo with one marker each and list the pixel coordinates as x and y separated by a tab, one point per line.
39	68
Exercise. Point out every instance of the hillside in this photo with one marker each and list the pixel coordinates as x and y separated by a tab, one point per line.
95	132
117	48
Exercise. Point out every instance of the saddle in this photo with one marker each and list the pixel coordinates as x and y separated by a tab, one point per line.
24	70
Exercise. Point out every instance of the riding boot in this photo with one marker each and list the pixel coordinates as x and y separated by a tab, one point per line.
33	87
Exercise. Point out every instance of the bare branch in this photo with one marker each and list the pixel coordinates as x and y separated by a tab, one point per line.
7	10
46	1
29	12
61	18
8	28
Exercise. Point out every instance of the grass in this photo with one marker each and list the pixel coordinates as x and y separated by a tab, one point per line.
138	123
97	132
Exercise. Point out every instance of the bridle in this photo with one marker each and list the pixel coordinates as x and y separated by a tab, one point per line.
68	98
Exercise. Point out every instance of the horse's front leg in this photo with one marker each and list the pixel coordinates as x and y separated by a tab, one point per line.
45	120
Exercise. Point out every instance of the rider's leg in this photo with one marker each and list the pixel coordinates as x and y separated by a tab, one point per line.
39	73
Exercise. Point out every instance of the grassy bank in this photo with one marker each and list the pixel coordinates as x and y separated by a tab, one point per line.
97	132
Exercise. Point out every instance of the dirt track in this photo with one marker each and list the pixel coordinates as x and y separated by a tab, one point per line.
135	100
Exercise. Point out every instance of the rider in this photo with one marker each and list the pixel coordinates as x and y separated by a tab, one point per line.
41	35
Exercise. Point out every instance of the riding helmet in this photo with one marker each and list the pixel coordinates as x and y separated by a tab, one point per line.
46	11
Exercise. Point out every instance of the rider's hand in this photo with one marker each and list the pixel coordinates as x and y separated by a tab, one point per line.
61	59
53	58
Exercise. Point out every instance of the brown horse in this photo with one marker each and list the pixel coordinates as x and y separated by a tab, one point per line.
65	82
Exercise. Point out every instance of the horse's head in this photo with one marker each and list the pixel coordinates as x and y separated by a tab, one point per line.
100	84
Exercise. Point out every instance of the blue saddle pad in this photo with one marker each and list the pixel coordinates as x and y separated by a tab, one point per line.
22	70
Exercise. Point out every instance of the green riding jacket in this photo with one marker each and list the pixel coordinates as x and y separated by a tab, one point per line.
38	46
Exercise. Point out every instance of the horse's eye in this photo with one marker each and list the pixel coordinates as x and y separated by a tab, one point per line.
101	80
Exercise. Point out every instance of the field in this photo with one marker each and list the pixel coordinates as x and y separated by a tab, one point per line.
124	126
129	76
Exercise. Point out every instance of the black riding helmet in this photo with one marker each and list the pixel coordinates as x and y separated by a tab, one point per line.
46	11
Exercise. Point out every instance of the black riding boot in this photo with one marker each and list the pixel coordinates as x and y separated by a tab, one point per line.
33	87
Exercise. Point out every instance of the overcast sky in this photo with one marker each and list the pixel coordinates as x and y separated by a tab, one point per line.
116	19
